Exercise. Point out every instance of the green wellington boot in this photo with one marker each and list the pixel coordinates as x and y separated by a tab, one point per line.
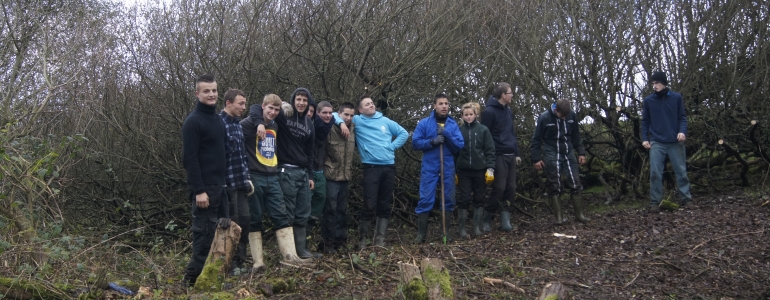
577	201
422	228
478	215
462	219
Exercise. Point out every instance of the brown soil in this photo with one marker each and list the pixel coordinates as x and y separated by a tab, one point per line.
717	250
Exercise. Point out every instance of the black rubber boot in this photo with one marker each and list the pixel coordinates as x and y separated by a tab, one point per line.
364	230
300	242
422	228
462	219
505	221
556	205
478	214
379	232
577	201
486	222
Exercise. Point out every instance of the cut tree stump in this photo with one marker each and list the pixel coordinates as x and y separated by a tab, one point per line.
429	281
554	291
219	259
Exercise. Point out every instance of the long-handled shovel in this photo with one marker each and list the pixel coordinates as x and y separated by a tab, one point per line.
443	209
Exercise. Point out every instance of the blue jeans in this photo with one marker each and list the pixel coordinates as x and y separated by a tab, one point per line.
677	156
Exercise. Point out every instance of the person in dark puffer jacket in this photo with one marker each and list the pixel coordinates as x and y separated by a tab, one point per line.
558	134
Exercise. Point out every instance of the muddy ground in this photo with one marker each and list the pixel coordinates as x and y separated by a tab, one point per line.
717	250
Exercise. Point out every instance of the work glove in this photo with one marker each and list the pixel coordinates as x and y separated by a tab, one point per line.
224	223
437	140
251	188
288	111
440	130
518	160
490	176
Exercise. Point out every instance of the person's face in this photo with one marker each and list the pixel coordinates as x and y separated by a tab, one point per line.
560	115
311	111
325	114
207	93
506	97
658	86
367	107
236	107
300	103
441	106
469	115
347	115
270	111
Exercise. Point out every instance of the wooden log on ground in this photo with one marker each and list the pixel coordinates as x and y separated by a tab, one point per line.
14	288
744	163
414	287
218	262
554	291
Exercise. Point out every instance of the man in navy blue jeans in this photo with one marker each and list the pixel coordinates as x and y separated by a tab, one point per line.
664	130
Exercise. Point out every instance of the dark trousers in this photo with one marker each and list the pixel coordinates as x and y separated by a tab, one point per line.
471	186
239	213
267	198
204	225
334	224
379	182
556	165
504	187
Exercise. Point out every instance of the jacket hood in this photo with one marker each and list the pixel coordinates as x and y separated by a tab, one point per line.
492	101
310	100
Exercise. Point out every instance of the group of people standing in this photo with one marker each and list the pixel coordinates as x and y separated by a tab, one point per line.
292	161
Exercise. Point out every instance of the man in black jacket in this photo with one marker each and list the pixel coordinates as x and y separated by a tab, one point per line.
558	133
499	119
203	157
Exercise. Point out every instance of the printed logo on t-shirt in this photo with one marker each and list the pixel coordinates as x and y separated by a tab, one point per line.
266	149
383	129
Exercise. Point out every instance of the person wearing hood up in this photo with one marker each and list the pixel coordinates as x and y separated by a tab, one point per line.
296	157
498	118
557	133
377	147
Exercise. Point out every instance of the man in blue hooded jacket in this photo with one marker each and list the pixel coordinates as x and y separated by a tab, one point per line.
499	119
436	132
375	135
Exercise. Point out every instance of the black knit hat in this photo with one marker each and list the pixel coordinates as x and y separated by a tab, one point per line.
660	77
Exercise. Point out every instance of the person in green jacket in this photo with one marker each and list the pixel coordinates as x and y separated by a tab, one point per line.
475	168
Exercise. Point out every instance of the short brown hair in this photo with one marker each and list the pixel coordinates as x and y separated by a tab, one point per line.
272	99
563	106
232	93
500	89
360	99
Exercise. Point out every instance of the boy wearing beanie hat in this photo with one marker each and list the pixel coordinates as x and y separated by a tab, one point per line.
664	130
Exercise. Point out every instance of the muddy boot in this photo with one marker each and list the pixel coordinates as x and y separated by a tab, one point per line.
556	206
505	221
380	229
422	228
255	242
462	218
486	223
447	225
364	230
287	248
577	201
300	242
478	214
